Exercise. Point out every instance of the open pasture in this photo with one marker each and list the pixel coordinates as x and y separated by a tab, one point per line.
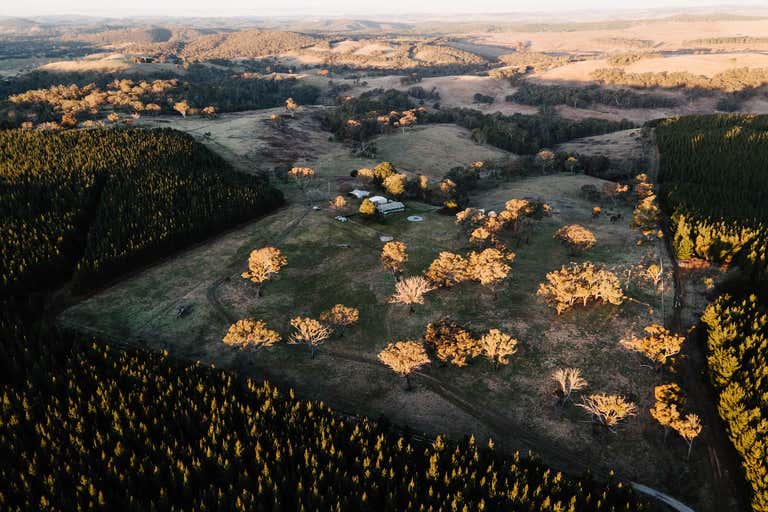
331	262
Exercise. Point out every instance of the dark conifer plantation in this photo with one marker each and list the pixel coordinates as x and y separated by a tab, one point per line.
714	174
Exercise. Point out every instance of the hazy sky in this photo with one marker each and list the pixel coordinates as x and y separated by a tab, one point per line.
331	7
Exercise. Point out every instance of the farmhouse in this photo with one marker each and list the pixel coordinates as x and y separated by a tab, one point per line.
378	200
390	207
359	193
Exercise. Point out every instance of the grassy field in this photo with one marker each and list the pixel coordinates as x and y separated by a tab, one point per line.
251	141
330	262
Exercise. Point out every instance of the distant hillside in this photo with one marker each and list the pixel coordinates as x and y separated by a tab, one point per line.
20	26
245	44
128	35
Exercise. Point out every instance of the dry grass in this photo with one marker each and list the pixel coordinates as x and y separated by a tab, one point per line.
108	63
706	65
253	143
331	263
625	144
665	34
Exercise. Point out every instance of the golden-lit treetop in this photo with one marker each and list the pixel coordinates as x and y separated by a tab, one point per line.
394	256
643	188
688	427
447	269
646	215
576	238
568	380
367	207
470	217
608	410
489	267
340	315
264	263
669	402
365	173
404	357
411	290
395	184
302	175
452	343
580	284
310	331
658	345
301	172
497	346
251	332
338	203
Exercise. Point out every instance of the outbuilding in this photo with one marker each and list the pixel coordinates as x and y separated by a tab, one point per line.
360	194
391	207
378	200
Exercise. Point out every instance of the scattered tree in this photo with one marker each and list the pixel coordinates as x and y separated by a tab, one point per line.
383	171
689	428
309	331
394	258
302	175
646	215
571	163
608	410
395	184
643	188
447	270
364	174
568	380
291	106
576	238
669	402
658	345
498	346
489	267
404	357
367	208
452	343
410	291
340	316
338	203
580	284
614	191
654	274
251	333
182	107
263	264
546	159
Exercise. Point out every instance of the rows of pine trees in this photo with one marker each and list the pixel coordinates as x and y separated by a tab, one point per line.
101	201
713	175
88	426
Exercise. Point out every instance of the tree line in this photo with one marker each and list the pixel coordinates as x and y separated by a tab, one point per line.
88	98
731	80
713	177
524	134
363	117
88	426
583	97
98	202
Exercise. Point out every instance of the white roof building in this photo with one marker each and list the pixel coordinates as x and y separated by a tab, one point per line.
378	200
359	193
391	207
